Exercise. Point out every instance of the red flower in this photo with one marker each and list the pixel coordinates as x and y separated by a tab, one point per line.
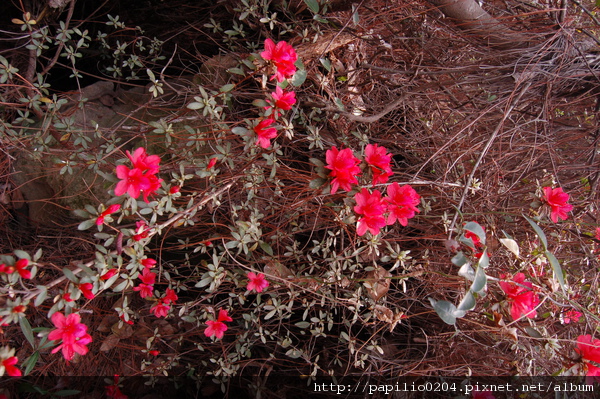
114	392
211	163
6	269
153	186
67	297
86	290
108	274
133	181
20	266
283	56
148	263
217	328
9	367
141	230
73	334
379	162
160	309
154	353
265	133
110	210
257	282
344	169
569	316
170	297
523	298
142	178
174	190
148	278
283	99
402	203
142	161
589	349
373	208
557	199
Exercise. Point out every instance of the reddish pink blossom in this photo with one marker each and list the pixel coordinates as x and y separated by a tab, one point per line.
86	290
142	161
372	208
522	297
570	316
154	353
141	230
283	56
147	286
7	269
283	100
108	274
256	282
380	163
148	263
402	203
557	199
110	210
133	181
344	168
67	297
217	327
170	297
211	163
20	265
265	133
154	183
174	190
10	368
160	309
73	334
598	233
589	349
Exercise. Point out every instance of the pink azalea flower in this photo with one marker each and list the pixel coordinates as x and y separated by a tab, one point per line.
148	263
146	287
211	163
379	162
73	334
154	183
170	297
257	282
265	133
557	199
132	181
160	309
108	274
402	203
589	349
217	327
283	99
9	366
372	208
523	298
283	56
110	210
141	230
20	265
344	168
86	290
142	161
569	316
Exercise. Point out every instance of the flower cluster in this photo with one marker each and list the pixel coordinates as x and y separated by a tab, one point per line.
109	211
283	57
163	305
73	334
521	295
217	327
19	267
589	349
141	178
557	199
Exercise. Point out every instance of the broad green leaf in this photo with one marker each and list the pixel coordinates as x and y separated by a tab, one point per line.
227	88
539	232
484	260
475	228
86	224
41	297
69	274
557	269
533	332
266	247
480	281
326	64
21	254
467	272
299	77
460	259
30	363
467	303
26	328
511	245
445	310
313	5
302	324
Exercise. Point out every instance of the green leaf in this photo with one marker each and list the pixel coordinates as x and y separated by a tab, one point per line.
313	5
69	274
511	245
480	281
227	88
316	183
26	328
299	77
86	224
475	228
30	363
533	332
266	247
302	324
484	261
240	131
21	254
41	297
260	103
195	105
445	310
539	232
467	303
467	272
460	259
67	392
326	64
557	269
